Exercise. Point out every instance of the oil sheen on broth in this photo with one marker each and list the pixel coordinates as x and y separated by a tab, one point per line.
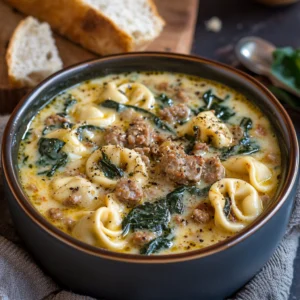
150	162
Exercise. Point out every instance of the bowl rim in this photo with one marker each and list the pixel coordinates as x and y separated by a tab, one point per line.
19	195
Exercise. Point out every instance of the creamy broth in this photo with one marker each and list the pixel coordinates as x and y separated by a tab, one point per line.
150	162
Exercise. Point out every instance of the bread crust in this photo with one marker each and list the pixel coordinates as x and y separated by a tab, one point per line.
82	24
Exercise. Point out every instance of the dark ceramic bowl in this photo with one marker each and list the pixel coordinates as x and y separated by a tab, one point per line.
214	272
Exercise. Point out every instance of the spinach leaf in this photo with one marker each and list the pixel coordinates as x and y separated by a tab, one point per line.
153	216
81	129
174	200
162	242
109	169
50	148
227	206
70	101
222	112
286	66
120	107
51	155
191	140
214	103
245	147
164	100
64	125
193	190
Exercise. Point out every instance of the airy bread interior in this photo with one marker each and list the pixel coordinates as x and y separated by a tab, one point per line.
32	55
138	18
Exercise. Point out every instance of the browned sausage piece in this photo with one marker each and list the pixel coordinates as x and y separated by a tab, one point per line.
139	134
73	200
237	134
129	191
141	238
55	119
180	167
172	114
181	96
200	147
213	170
115	135
203	213
144	152
55	214
129	115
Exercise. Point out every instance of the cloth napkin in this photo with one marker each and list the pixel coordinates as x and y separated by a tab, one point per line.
22	279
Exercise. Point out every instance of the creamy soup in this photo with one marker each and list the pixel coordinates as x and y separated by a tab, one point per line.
150	162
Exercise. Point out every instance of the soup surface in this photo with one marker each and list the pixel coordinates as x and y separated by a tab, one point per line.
150	162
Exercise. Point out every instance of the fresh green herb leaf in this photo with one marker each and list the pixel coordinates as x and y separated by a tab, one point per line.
164	100
227	206
110	170
286	66
162	242
120	107
153	216
81	129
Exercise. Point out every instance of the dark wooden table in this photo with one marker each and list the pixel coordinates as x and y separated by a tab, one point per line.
247	18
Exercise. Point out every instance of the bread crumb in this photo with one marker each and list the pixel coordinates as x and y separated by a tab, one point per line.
214	24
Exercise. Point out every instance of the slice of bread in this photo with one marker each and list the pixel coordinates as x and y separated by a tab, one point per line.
32	54
102	26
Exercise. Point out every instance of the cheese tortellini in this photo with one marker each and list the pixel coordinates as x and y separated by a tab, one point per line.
75	191
212	130
135	94
70	137
102	227
243	204
138	95
93	115
250	169
126	159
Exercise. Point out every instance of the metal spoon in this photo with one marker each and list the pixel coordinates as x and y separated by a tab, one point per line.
256	55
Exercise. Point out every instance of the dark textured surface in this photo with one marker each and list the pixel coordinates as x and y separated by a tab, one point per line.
244	18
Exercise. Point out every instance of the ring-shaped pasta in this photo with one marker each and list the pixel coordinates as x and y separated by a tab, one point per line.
102	227
138	95
75	191
252	170
128	160
72	144
245	203
92	115
212	129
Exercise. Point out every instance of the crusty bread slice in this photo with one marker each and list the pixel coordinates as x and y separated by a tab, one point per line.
32	55
102	26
